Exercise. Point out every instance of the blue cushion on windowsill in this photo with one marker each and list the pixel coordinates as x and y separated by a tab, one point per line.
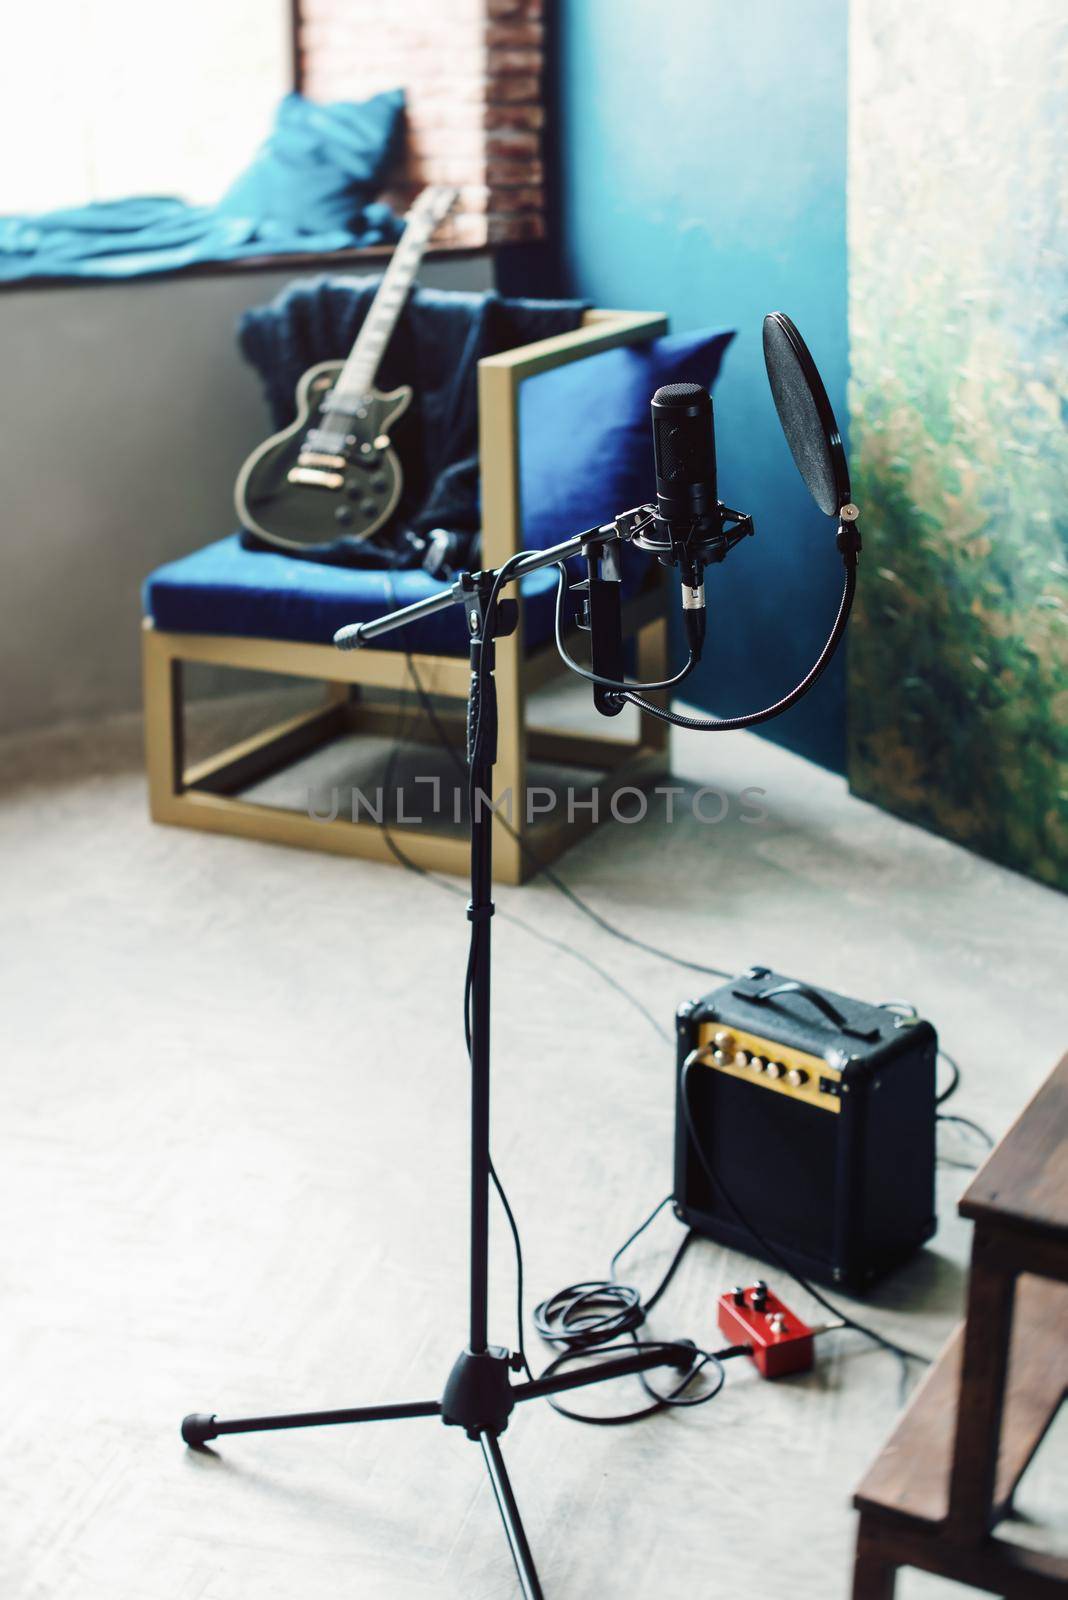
321	165
585	453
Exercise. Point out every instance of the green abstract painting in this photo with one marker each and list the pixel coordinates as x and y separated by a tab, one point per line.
958	667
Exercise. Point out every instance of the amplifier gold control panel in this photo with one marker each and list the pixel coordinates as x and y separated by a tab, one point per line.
773	1066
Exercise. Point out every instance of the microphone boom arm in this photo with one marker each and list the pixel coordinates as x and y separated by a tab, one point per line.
361	633
627	527
642	527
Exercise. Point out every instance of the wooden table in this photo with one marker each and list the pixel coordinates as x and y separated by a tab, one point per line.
948	1473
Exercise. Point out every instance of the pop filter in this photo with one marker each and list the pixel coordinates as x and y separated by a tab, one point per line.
806	415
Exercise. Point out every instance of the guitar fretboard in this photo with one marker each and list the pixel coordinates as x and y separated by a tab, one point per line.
358	373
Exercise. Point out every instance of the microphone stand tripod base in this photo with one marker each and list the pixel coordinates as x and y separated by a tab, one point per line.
479	1394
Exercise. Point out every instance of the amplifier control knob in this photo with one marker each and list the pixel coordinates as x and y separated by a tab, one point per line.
796	1077
741	1058
721	1058
757	1063
723	1040
773	1069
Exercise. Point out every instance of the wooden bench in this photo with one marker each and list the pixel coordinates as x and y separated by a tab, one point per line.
949	1471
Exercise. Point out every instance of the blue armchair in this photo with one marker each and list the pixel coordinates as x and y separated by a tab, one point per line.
556	455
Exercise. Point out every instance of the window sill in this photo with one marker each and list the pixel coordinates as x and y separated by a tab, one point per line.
295	260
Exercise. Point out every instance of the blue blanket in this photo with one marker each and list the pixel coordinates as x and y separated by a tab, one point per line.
310	189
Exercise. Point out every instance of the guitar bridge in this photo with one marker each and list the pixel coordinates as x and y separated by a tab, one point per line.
316	458
314	478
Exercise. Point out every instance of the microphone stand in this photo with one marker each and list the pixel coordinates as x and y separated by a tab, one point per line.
480	1394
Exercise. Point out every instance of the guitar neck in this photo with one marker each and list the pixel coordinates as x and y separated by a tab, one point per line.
358	374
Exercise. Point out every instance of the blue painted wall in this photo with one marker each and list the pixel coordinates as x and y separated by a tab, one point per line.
702	171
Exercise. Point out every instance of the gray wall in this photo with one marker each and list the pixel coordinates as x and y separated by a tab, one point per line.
127	412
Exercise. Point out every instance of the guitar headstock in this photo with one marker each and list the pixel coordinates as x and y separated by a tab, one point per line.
432	206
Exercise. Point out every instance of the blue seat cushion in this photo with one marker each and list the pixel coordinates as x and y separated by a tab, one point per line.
224	588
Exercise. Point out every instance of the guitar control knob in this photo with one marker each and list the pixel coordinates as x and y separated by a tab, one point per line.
353	491
369	508
343	514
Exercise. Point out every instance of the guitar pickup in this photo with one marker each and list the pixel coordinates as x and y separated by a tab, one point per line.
316	458
315	478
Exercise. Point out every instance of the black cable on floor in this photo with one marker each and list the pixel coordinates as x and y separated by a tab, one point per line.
966	1122
584	1315
602	1317
906	1009
955	1076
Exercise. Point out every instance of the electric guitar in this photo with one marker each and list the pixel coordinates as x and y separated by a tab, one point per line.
333	472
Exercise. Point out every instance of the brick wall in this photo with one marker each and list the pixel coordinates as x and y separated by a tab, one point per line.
472	72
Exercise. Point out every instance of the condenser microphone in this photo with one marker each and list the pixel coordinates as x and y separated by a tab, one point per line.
684	450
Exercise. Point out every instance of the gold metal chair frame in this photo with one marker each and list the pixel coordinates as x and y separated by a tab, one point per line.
208	795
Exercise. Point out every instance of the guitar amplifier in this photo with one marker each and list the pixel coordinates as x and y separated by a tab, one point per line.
816	1113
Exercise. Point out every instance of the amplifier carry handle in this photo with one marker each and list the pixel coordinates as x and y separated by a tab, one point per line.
815	998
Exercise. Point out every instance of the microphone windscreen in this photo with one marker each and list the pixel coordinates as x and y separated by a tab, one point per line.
805	412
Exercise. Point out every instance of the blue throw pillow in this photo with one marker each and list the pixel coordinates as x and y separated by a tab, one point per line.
321	165
585	439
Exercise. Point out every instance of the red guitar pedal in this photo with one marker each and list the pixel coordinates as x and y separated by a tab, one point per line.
779	1342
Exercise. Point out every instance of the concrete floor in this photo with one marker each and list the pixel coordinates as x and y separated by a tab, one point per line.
234	1151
